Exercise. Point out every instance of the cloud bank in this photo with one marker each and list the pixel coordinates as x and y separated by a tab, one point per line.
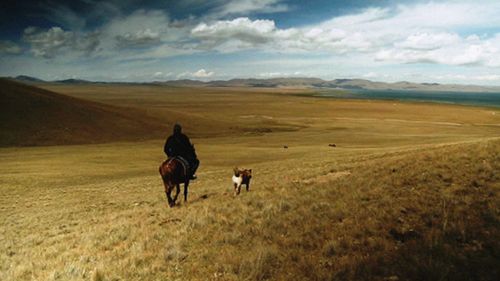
245	38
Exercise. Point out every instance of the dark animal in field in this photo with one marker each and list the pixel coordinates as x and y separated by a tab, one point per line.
285	146
174	171
332	145
241	176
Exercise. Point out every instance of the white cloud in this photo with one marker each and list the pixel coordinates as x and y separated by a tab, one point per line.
202	73
428	41
418	33
281	74
139	29
151	31
55	40
162	75
373	43
47	43
370	75
240	29
488	77
455	51
449	14
366	17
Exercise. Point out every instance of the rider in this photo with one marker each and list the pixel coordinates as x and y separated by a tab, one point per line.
178	144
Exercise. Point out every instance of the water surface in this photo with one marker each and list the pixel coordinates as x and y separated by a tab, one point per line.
464	98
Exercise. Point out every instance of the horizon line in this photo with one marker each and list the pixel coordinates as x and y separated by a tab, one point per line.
205	81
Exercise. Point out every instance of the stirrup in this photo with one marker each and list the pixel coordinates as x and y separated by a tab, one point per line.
193	177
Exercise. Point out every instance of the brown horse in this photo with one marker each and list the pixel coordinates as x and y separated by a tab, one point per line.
174	172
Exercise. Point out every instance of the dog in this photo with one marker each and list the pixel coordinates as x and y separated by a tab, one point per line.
241	176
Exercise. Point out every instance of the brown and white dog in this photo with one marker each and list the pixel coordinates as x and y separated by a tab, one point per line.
241	176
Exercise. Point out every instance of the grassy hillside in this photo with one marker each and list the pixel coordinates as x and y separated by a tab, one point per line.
33	116
410	192
427	212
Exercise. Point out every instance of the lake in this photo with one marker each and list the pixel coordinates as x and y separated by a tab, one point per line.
465	98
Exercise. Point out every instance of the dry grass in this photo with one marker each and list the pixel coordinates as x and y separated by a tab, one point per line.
219	112
31	116
393	201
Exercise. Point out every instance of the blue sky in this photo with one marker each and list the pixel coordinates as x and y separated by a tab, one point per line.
451	41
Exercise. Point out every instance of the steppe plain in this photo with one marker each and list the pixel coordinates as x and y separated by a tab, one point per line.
409	192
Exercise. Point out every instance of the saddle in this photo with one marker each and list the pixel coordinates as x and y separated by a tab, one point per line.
185	164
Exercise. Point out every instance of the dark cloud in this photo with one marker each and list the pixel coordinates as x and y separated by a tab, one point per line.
9	48
245	7
139	39
87	43
75	15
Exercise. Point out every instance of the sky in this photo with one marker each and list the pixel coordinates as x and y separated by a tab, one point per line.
453	41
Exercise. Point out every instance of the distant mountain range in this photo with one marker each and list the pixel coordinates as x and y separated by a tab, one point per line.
28	79
348	84
314	83
34	80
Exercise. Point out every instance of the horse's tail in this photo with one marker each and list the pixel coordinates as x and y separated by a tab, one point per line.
165	172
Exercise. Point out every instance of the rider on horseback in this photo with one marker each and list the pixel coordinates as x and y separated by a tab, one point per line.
178	144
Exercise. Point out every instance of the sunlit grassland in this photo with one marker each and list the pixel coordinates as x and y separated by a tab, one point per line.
409	193
228	111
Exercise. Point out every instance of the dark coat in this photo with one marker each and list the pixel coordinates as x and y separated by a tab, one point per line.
179	145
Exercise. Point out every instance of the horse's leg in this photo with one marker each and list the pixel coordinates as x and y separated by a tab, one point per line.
235	189
239	189
186	184
168	190
177	191
248	186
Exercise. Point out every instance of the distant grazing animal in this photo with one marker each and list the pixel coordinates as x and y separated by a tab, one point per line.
285	146
332	145
241	176
174	171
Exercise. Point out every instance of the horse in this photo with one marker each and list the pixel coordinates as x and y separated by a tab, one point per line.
174	171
